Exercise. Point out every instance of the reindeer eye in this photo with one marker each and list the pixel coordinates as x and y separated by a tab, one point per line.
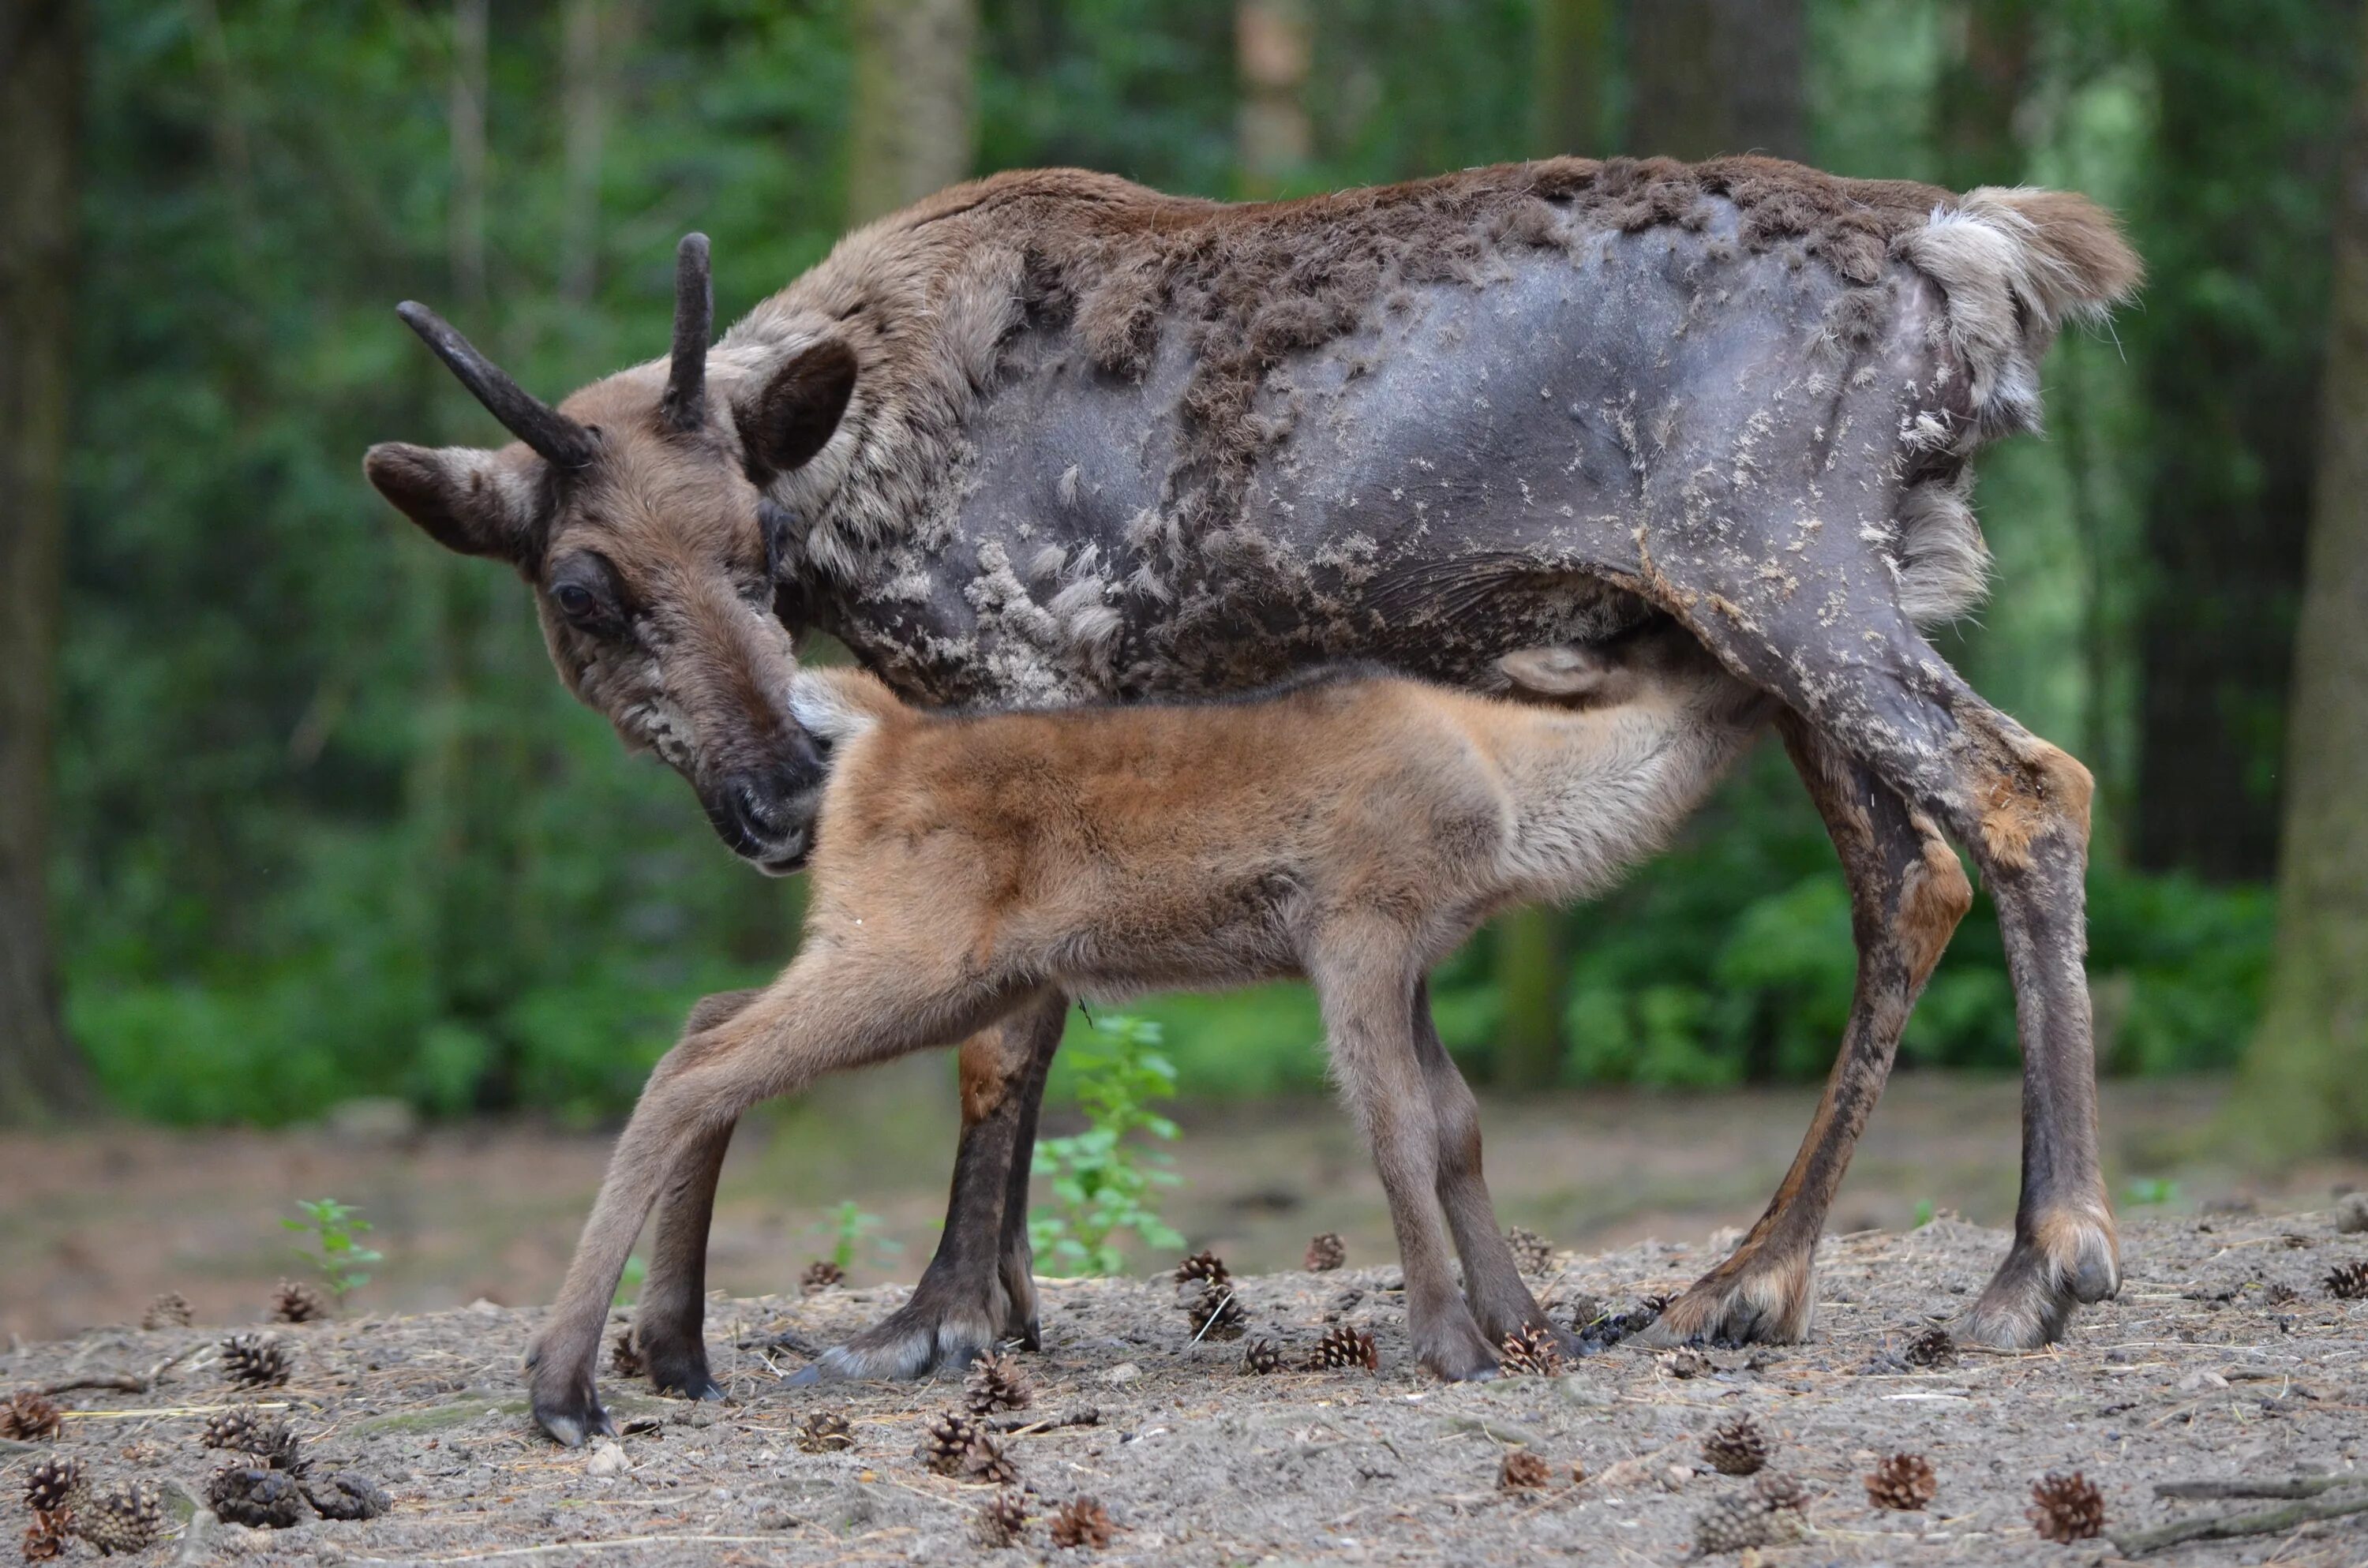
584	589
576	601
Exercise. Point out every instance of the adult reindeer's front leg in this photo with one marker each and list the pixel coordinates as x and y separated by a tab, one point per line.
973	1293
1907	893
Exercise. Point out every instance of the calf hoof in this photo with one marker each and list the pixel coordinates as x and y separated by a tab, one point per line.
2057	1265
1458	1354
1761	1301
569	1415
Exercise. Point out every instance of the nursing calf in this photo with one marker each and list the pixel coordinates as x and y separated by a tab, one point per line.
1352	827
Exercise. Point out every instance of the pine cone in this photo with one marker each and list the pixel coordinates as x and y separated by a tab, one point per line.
1261	1359
257	1498
1345	1346
1522	1470
1216	1315
1904	1483
1532	1350
2348	1282
346	1496
170	1309
1326	1252
824	1432
624	1357
1736	1524
997	1382
821	1275
2066	1508
1002	1520
1775	1491
1737	1446
29	1417
296	1302
126	1516
2281	1295
1081	1521
1530	1250
247	1430
255	1360
983	1459
46	1537
53	1485
1203	1265
1931	1348
945	1441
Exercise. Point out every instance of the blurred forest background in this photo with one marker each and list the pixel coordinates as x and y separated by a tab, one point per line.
292	809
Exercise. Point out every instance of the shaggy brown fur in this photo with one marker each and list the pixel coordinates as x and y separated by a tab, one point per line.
1353	829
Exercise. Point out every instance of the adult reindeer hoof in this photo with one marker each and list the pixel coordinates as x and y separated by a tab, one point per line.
1745	1301
1458	1355
2058	1263
927	1333
680	1370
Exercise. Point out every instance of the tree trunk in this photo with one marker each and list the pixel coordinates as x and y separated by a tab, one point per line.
40	74
914	110
1573	70
584	114
1713	76
2307	1079
1273	44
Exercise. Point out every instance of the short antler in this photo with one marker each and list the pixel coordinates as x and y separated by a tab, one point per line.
560	440
694	317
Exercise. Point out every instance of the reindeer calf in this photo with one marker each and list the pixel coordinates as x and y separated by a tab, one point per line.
1352	828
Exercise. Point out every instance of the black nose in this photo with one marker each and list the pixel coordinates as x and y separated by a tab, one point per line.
763	813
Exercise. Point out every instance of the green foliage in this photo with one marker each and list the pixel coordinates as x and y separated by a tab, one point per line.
848	1228
328	826
338	1252
2151	1192
629	1283
1102	1182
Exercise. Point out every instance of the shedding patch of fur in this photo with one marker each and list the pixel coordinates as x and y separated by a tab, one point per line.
1943	564
2016	264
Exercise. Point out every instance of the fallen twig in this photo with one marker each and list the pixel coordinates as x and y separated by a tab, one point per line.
2226	1527
2293	1486
123	1382
1029	1426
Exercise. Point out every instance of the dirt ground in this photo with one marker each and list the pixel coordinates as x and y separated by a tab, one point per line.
2225	1356
94	1222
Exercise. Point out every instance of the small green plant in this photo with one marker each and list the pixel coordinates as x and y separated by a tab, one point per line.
1923	1213
1102	1178
628	1284
340	1257
848	1228
2146	1192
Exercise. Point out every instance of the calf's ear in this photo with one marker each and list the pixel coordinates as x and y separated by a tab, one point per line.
464	498
793	415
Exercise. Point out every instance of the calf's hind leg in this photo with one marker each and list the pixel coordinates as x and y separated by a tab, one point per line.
1367	987
1907	893
1493	1288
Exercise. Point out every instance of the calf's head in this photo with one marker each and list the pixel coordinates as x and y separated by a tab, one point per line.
636	511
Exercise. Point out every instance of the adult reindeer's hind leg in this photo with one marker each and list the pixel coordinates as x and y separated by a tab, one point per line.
1907	893
1859	674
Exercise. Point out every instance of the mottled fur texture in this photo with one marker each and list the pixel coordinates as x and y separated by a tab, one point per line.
1353	829
1052	438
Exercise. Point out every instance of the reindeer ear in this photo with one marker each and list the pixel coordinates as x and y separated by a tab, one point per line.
794	413
466	499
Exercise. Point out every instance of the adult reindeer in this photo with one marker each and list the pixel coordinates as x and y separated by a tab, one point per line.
1051	437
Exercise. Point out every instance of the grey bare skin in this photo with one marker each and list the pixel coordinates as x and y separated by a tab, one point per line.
1052	438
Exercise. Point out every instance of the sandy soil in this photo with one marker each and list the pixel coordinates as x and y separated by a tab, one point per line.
2225	1356
94	1222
